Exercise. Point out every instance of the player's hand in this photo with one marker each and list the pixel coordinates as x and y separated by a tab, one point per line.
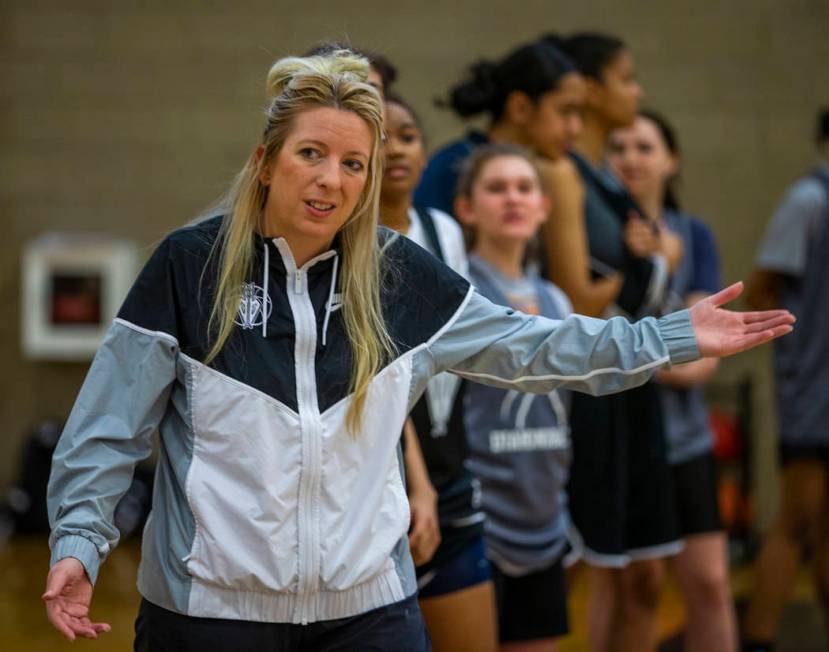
640	237
671	246
424	533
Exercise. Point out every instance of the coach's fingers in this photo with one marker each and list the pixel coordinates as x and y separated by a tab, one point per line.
769	323
59	620
763	315
725	295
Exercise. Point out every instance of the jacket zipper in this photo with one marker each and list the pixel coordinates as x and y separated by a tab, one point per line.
311	437
307	399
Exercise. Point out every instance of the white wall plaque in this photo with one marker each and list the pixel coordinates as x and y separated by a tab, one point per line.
72	287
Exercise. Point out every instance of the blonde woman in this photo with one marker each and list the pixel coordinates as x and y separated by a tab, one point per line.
278	349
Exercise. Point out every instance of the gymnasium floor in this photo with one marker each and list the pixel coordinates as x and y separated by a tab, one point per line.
24	628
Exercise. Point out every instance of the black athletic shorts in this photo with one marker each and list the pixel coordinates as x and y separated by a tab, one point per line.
532	606
803	452
467	568
397	626
621	486
695	489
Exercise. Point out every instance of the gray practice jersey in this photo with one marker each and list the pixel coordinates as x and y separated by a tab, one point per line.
520	444
796	246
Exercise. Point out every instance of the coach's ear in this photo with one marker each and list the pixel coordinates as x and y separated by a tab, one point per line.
264	170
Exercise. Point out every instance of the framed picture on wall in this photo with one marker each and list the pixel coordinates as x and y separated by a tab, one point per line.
72	286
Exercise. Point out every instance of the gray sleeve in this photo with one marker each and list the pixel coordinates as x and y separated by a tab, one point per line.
498	346
785	245
109	431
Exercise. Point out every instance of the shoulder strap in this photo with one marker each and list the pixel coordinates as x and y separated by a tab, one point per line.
431	231
617	198
637	271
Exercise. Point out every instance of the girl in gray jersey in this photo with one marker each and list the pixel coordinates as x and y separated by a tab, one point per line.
519	443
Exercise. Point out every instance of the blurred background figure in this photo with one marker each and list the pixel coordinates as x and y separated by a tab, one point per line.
792	270
646	157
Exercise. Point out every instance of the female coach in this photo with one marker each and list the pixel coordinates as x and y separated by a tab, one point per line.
278	348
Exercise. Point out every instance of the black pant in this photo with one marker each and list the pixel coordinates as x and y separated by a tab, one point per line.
396	627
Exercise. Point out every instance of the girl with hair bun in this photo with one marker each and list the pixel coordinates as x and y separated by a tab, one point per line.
278	347
532	98
609	259
646	158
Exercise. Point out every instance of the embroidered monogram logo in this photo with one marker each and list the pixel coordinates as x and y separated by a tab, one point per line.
254	308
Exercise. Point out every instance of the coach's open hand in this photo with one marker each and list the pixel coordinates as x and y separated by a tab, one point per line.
725	332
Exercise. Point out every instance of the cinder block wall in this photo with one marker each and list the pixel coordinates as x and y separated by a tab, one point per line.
131	117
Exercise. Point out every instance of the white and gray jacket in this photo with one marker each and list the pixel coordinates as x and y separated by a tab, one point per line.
265	508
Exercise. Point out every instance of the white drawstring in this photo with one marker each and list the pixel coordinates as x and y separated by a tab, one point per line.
330	299
265	292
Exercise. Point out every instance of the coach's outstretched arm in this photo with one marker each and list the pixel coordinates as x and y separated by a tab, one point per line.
498	346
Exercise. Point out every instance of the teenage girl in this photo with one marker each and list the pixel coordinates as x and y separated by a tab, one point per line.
278	348
455	589
600	252
532	97
520	443
646	158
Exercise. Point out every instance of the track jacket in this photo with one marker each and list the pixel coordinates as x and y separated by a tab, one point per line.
265	508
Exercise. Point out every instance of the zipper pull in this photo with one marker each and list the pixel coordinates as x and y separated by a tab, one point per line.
297	282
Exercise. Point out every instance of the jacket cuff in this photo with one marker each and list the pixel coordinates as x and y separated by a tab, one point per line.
678	335
82	549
